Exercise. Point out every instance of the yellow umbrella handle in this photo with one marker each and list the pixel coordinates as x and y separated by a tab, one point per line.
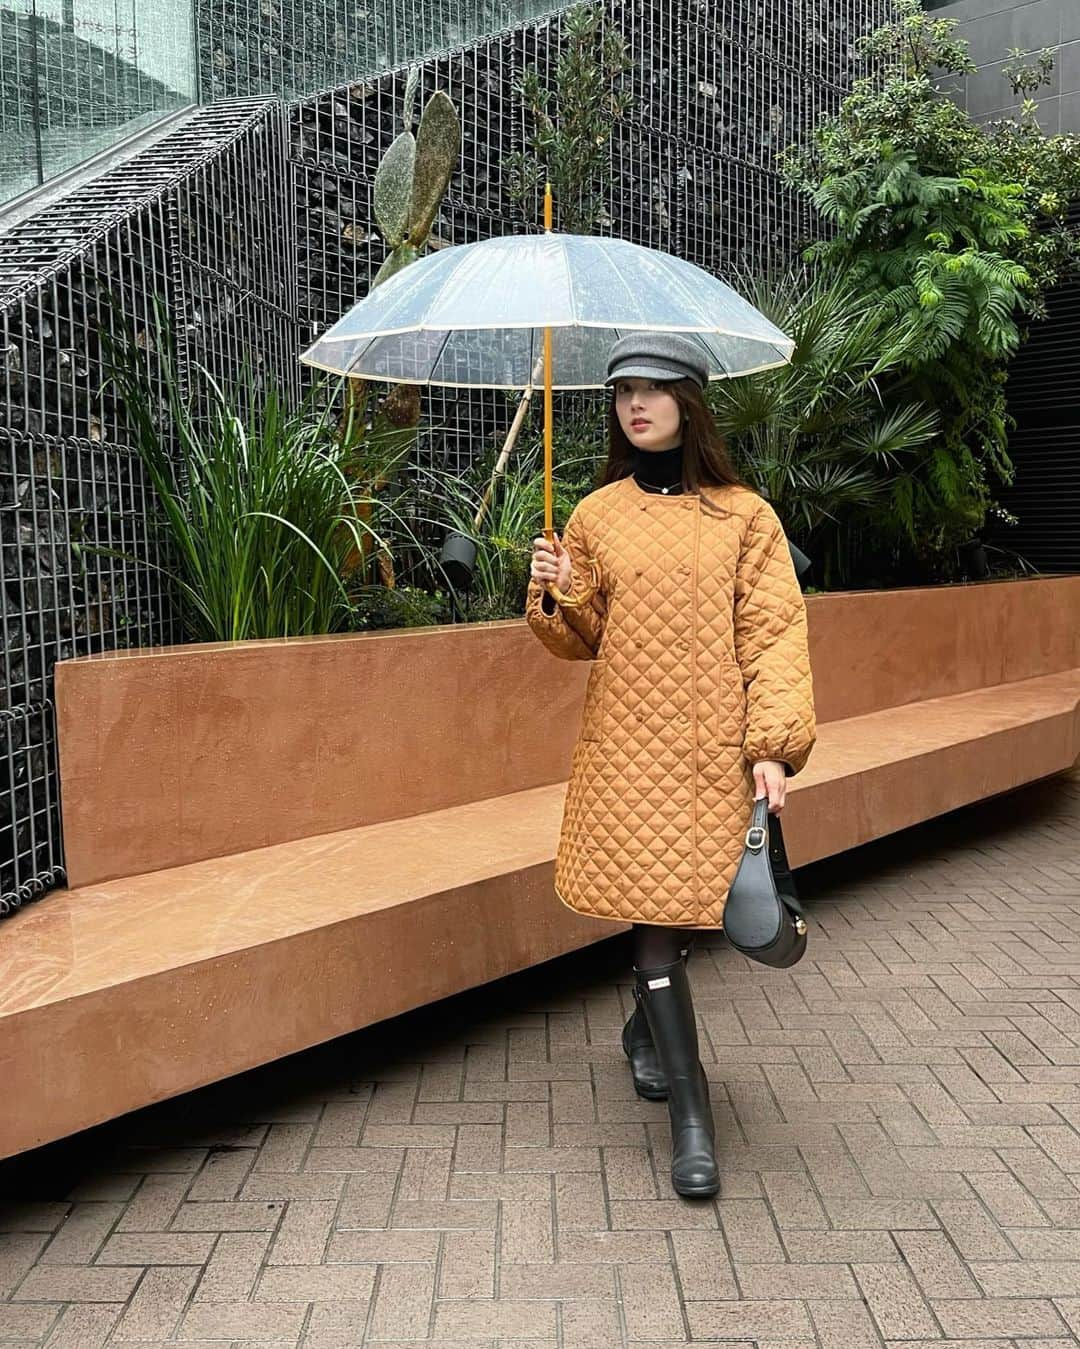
587	591
590	589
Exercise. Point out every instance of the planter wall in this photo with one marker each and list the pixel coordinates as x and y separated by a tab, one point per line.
178	754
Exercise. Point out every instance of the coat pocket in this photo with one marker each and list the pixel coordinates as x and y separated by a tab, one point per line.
593	713
730	707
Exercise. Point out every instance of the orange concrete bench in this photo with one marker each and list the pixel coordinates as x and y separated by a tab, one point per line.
270	844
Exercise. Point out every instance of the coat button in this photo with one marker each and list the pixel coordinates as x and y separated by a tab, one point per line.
682	718
682	644
683	569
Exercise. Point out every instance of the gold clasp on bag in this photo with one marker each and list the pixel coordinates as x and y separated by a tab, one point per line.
755	837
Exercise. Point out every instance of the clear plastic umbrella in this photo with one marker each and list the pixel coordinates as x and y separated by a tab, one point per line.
500	313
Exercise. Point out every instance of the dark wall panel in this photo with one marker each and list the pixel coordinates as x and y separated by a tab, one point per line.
992	28
1044	397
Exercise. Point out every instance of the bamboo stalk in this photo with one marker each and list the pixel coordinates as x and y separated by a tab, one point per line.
508	446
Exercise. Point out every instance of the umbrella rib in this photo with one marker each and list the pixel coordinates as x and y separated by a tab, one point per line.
442	348
404	291
685	290
617	273
439	294
570	283
573	303
622	281
359	355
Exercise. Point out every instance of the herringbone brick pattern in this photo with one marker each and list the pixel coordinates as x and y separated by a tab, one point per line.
898	1120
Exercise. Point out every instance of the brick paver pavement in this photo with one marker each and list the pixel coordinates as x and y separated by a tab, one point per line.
898	1122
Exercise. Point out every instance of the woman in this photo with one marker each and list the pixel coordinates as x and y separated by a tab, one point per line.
699	700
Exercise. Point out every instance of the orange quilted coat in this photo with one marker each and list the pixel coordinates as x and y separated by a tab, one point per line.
700	667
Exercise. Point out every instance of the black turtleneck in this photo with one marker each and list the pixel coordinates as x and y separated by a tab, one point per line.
657	470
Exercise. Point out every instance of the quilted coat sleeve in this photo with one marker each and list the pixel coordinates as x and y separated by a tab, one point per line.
771	647
571	633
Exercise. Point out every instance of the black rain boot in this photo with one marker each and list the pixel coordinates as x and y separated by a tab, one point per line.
637	1042
665	996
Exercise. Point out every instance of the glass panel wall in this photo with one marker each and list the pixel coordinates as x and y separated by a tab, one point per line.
77	76
296	47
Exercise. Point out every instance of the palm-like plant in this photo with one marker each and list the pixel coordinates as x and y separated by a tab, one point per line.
813	436
515	506
503	546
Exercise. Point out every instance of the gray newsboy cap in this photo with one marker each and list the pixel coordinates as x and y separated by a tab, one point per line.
657	356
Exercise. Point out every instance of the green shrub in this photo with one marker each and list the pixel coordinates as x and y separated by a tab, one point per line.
450	502
252	502
955	230
401	606
813	436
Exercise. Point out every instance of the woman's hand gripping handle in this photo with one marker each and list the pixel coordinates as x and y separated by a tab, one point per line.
550	562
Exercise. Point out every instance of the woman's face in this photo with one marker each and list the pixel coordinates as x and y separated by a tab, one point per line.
648	413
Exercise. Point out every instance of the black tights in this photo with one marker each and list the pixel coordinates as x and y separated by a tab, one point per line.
656	945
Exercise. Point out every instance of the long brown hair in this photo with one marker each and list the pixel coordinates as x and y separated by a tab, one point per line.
706	462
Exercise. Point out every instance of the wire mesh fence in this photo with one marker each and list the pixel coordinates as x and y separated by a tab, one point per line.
253	223
196	223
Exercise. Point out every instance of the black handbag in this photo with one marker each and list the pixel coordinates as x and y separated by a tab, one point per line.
763	918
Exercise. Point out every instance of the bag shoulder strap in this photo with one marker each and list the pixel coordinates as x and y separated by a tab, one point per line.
781	868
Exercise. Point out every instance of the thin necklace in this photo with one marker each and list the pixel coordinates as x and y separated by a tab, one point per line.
654	487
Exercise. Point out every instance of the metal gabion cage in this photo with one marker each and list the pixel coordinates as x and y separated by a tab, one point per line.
253	224
196	223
